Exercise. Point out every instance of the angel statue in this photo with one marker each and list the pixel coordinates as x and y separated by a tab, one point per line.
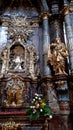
57	53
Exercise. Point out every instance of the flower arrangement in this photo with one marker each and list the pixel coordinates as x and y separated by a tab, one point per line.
38	108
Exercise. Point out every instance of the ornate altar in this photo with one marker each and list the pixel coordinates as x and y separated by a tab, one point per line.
19	60
36	56
19	72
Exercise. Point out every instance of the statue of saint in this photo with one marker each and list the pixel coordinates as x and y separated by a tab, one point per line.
57	53
18	63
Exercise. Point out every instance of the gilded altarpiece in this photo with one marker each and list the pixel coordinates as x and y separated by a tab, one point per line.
19	65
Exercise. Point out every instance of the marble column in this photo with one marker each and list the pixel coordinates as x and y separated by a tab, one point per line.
69	32
60	80
57	28
46	42
63	96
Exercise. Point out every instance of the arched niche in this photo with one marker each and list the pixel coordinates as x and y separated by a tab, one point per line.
20	58
16	56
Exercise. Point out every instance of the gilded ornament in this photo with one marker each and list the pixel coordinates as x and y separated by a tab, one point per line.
19	29
66	10
14	92
10	125
45	15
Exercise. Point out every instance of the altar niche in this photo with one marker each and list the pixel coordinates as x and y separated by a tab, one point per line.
20	58
17	58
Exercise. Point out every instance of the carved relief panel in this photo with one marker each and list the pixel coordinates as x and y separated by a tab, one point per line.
16	93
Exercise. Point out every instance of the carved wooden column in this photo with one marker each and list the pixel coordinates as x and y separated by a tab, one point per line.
69	31
46	41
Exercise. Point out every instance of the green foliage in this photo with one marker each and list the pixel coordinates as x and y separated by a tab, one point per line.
29	111
38	108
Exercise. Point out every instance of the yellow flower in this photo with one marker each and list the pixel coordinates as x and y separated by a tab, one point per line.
42	105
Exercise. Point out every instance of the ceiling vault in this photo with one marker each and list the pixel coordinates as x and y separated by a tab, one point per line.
39	5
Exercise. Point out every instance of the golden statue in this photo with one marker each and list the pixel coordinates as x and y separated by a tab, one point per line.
9	97
57	53
19	96
14	96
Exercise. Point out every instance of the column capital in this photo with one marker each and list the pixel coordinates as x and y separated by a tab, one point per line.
71	9
5	22
45	15
66	10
